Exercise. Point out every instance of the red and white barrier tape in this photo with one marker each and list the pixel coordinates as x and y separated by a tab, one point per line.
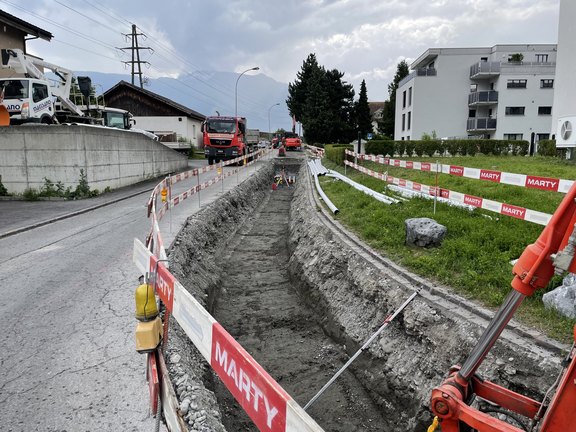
486	204
523	180
268	405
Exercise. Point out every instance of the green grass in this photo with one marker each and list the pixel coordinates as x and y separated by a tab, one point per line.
474	259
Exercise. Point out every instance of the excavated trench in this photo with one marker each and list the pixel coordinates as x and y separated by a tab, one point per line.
301	296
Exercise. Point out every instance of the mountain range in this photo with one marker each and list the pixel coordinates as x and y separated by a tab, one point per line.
210	93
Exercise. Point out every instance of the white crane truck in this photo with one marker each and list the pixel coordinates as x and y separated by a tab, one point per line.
30	97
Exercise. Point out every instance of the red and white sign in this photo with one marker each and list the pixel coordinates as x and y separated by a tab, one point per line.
493	176
259	395
543	183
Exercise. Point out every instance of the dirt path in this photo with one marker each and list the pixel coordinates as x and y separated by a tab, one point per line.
261	309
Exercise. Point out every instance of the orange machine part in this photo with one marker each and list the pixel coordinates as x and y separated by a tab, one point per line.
4	116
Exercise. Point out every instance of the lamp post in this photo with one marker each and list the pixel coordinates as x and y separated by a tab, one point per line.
236	89
270	130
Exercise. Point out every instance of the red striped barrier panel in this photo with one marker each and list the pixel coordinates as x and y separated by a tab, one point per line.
268	405
523	180
479	202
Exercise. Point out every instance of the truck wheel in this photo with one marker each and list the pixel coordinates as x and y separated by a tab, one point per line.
210	160
46	120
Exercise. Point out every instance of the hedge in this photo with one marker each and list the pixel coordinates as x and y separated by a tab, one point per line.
453	147
335	152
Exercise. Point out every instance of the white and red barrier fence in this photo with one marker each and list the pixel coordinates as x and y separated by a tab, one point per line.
523	180
268	405
471	200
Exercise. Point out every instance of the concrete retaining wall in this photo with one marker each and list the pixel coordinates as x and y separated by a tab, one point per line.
109	157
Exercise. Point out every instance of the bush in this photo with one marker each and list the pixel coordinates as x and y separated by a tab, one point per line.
3	190
335	152
547	148
381	147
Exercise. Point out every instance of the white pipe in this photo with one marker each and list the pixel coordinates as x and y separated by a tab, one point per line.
325	198
376	195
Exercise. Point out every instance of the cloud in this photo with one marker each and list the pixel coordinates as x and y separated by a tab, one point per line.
362	38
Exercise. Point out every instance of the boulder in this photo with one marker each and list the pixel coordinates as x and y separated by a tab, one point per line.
563	298
424	232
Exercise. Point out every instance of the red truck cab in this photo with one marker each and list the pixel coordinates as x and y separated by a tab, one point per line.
224	138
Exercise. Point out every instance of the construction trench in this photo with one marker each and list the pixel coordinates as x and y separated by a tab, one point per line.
302	295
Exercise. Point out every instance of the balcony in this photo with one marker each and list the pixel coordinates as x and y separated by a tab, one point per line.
481	124
488	97
484	70
427	71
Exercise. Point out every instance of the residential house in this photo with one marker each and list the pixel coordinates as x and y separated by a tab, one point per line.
176	125
14	33
499	92
376	112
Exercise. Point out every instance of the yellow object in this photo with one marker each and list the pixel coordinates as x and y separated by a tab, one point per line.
148	335
146	308
163	194
434	425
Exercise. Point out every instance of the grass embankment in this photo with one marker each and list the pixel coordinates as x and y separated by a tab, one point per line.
475	257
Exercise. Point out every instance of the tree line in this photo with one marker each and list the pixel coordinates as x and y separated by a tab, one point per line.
324	104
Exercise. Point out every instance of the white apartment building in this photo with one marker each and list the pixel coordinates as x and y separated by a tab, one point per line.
502	92
564	115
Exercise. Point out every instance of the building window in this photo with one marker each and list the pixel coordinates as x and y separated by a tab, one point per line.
403	121
543	136
408	138
513	137
484	59
542	58
410	96
546	83
472	113
409	119
404	99
516	83
473	88
514	110
545	110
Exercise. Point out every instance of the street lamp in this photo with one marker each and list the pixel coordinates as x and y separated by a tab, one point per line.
270	130
236	89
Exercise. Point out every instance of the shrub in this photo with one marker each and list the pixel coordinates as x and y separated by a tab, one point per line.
335	152
3	190
547	147
381	147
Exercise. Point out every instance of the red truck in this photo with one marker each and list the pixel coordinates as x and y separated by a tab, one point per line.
292	141
224	138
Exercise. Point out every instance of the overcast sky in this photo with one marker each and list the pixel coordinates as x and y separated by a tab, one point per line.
365	39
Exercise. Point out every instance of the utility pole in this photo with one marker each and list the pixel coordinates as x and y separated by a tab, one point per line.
136	54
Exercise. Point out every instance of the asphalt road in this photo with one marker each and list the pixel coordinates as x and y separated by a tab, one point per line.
68	355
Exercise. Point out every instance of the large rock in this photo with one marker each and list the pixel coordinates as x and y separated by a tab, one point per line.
424	232
563	298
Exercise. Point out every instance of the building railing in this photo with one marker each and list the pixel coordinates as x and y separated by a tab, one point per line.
428	71
417	72
484	68
480	123
483	97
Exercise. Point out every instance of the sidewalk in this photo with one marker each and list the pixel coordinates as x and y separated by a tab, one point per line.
18	215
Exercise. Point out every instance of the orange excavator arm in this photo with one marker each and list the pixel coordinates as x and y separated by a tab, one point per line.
553	252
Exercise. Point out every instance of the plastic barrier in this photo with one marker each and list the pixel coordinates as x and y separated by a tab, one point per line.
268	405
523	180
486	204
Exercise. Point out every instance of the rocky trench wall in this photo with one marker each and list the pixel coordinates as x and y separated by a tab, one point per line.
400	369
415	352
